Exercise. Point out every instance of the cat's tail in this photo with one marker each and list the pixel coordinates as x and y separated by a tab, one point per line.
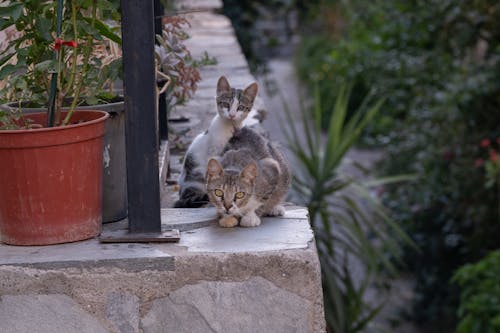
191	197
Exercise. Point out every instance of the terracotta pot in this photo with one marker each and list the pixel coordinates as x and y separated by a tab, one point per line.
114	185
50	181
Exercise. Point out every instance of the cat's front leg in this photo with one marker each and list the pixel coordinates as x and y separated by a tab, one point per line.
228	221
250	220
277	210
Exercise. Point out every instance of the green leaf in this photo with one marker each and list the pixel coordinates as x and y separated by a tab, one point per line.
7	70
6	58
338	117
105	30
5	23
46	66
44	28
92	100
13	11
390	180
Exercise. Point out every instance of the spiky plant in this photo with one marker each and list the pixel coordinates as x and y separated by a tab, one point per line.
357	241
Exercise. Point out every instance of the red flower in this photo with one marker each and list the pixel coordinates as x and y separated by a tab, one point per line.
485	143
493	155
478	163
58	42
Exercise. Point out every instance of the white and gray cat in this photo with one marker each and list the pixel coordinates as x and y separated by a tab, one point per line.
233	107
250	180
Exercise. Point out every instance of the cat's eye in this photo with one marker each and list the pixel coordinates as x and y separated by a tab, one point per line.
219	193
239	195
242	108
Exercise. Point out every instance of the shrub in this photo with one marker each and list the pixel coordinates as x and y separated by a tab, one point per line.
479	310
438	63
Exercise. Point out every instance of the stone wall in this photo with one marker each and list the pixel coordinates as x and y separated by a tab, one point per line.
264	279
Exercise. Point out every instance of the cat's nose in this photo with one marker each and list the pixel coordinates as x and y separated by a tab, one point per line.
228	206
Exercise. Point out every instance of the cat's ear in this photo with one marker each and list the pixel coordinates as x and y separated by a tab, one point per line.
214	169
251	91
249	173
222	85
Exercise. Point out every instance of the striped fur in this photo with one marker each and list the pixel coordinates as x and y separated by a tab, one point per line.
250	180
233	106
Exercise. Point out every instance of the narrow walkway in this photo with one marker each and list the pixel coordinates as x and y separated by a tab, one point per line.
210	34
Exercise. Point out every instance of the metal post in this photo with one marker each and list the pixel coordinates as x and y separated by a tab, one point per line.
141	137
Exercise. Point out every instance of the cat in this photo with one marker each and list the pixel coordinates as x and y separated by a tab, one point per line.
248	181
233	107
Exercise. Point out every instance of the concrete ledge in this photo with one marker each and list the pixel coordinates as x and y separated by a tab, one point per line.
274	234
87	255
229	280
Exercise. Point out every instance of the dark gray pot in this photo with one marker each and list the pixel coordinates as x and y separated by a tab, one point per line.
114	186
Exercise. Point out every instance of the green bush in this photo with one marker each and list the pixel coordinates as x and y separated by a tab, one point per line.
438	64
479	310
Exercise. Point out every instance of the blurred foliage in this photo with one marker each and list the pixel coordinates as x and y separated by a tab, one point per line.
479	310
245	14
175	60
357	242
438	63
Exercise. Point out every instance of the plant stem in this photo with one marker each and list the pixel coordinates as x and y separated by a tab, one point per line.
72	77
53	82
86	55
58	102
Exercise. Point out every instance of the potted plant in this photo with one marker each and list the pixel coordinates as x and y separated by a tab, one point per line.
50	185
87	74
89	62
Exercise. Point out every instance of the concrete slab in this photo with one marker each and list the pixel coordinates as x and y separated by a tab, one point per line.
208	20
198	4
87	254
231	65
188	218
274	234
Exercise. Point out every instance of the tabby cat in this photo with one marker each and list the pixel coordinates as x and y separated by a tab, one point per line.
250	180
233	107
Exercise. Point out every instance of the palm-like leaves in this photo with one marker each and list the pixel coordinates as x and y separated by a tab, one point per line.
350	224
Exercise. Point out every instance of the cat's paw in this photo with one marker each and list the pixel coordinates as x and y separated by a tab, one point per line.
250	220
228	221
277	210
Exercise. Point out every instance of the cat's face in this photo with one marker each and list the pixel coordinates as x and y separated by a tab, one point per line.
234	104
230	190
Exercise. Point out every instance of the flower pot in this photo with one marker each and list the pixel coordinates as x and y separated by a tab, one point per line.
51	181
114	184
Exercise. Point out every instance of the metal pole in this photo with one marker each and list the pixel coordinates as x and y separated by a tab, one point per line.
143	187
